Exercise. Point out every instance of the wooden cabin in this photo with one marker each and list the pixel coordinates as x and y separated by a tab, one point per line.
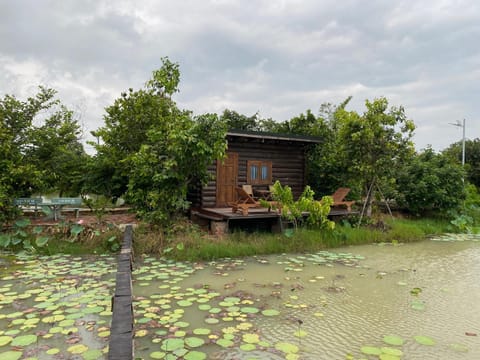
254	158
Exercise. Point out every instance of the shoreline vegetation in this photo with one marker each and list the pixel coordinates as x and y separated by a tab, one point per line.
187	241
191	244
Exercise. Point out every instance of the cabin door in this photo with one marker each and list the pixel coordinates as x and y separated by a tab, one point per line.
227	172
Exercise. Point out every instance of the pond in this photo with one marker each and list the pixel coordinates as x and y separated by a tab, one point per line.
413	301
383	301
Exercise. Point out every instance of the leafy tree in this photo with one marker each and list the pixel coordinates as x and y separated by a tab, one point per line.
430	183
175	156
472	158
374	144
234	120
36	136
151	150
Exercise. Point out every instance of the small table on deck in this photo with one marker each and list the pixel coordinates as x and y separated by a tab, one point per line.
263	194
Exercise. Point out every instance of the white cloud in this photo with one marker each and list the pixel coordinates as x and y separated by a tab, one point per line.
279	58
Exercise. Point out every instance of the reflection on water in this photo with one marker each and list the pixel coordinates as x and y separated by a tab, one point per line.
329	306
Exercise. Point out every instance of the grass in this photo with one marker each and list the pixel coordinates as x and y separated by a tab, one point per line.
193	245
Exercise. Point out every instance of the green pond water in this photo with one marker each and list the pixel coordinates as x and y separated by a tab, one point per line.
413	301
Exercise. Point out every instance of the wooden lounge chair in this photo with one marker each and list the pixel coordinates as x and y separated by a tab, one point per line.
244	202
249	190
339	198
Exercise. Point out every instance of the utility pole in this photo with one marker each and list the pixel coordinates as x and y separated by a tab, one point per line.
462	125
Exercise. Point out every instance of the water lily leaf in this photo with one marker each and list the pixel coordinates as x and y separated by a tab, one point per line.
392	351
225	343
249	310
184	303
77	349
417	305
286	347
24	340
459	347
157	355
92	354
251	338
212	321
247	347
11	355
393	340
270	312
300	333
195	355
194	342
4	340
201	331
388	357
52	351
370	350
172	344
424	340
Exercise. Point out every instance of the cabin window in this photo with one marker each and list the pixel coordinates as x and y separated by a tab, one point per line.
259	172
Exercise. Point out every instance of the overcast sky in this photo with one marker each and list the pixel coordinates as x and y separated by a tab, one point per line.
275	57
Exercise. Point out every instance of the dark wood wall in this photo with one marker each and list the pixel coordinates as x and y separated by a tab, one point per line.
288	164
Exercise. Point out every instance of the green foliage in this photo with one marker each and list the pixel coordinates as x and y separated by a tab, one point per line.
21	236
153	151
98	204
467	218
234	120
316	212
39	148
374	144
176	156
472	158
429	183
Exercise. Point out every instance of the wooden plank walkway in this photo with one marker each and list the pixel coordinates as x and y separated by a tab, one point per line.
121	329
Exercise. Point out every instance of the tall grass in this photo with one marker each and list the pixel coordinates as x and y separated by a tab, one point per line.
196	245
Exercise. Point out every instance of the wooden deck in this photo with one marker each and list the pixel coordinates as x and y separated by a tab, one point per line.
222	220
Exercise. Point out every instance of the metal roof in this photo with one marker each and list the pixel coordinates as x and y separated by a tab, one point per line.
273	136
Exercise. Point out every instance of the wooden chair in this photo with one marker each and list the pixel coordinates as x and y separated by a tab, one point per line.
339	198
249	190
244	202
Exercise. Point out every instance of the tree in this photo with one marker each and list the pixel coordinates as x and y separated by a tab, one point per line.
234	120
374	144
430	183
472	158
36	137
151	151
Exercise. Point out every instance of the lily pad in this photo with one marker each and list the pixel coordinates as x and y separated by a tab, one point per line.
286	347
300	333
4	340
194	342
270	312
157	355
251	338
393	340
172	344
24	340
195	355
392	351
201	331
370	350
11	355
424	340
225	343
77	349
247	347
459	347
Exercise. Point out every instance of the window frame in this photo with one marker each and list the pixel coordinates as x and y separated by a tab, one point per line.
259	165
